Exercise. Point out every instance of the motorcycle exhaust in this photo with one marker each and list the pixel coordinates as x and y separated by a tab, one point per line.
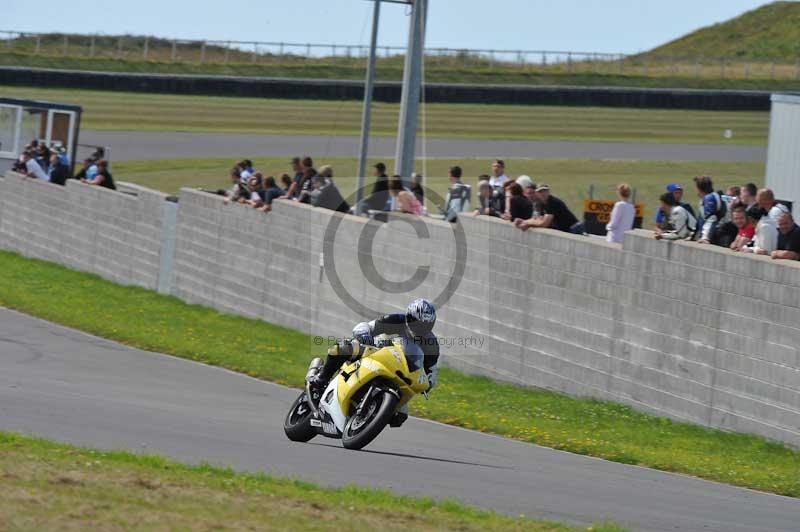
313	368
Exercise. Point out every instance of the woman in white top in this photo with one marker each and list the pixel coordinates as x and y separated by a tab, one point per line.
621	216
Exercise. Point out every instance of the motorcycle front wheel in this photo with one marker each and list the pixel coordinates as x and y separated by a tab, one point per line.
362	428
297	425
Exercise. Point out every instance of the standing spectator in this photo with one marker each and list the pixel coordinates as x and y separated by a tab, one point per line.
458	195
772	208
325	194
491	201
519	207
103	177
286	181
622	215
746	229
676	190
682	223
255	189
272	191
32	168
734	192
713	213
498	176
417	188
379	197
766	239
303	172
788	238
405	200
555	214
89	170
58	172
42	156
245	169
238	190
748	195
307	184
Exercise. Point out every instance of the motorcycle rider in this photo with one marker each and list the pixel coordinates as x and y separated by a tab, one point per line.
415	325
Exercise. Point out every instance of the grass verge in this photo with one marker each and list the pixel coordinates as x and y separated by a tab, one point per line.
49	486
110	110
569	178
154	322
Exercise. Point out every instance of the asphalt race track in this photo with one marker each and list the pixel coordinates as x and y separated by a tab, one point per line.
143	145
69	386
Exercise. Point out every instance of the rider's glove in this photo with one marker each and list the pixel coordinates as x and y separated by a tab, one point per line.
345	348
433	374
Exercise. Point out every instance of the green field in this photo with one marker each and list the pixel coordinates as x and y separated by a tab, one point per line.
108	110
569	179
51	486
164	324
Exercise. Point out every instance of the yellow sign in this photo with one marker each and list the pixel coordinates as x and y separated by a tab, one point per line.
600	210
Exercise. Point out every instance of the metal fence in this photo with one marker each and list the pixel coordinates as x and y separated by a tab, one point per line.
143	48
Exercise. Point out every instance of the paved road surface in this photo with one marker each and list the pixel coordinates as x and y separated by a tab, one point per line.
141	145
65	385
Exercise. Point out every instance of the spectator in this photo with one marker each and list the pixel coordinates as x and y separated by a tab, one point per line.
286	181
379	197
519	207
89	170
325	193
772	208
103	177
713	214
498	176
238	190
622	215
255	190
525	182
788	238
272	191
405	200
746	230
58	172
734	192
307	184
491	199
245	169
42	156
458	195
766	238
300	167
676	190
748	195
682	223
32	168
416	187
555	214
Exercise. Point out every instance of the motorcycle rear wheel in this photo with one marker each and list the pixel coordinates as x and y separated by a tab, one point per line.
297	425
361	429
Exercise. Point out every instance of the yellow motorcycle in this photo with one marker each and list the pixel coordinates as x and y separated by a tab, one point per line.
362	398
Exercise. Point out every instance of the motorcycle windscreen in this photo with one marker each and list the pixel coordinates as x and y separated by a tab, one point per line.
415	357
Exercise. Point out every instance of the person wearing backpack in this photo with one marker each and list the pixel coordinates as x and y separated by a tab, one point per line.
683	224
714	214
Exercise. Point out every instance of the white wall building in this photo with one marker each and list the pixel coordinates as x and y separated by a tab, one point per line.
783	154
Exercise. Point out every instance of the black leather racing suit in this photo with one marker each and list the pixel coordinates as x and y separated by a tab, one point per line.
389	324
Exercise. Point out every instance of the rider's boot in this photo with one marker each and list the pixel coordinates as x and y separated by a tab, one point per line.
399	417
324	374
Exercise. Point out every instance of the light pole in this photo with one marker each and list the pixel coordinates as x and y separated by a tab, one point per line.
367	114
409	100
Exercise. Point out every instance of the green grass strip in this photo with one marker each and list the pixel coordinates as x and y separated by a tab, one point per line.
165	324
48	486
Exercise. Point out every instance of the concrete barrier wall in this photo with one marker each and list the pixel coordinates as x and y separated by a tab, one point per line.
115	235
694	333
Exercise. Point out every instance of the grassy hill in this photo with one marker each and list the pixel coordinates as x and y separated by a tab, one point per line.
771	32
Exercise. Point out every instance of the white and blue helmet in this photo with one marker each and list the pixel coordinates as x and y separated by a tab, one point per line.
420	317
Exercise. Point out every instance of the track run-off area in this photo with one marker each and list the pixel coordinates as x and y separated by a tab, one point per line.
68	386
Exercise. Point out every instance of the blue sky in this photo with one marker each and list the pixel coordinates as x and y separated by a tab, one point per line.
580	25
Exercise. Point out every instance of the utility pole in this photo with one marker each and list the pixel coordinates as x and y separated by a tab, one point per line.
367	114
412	85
